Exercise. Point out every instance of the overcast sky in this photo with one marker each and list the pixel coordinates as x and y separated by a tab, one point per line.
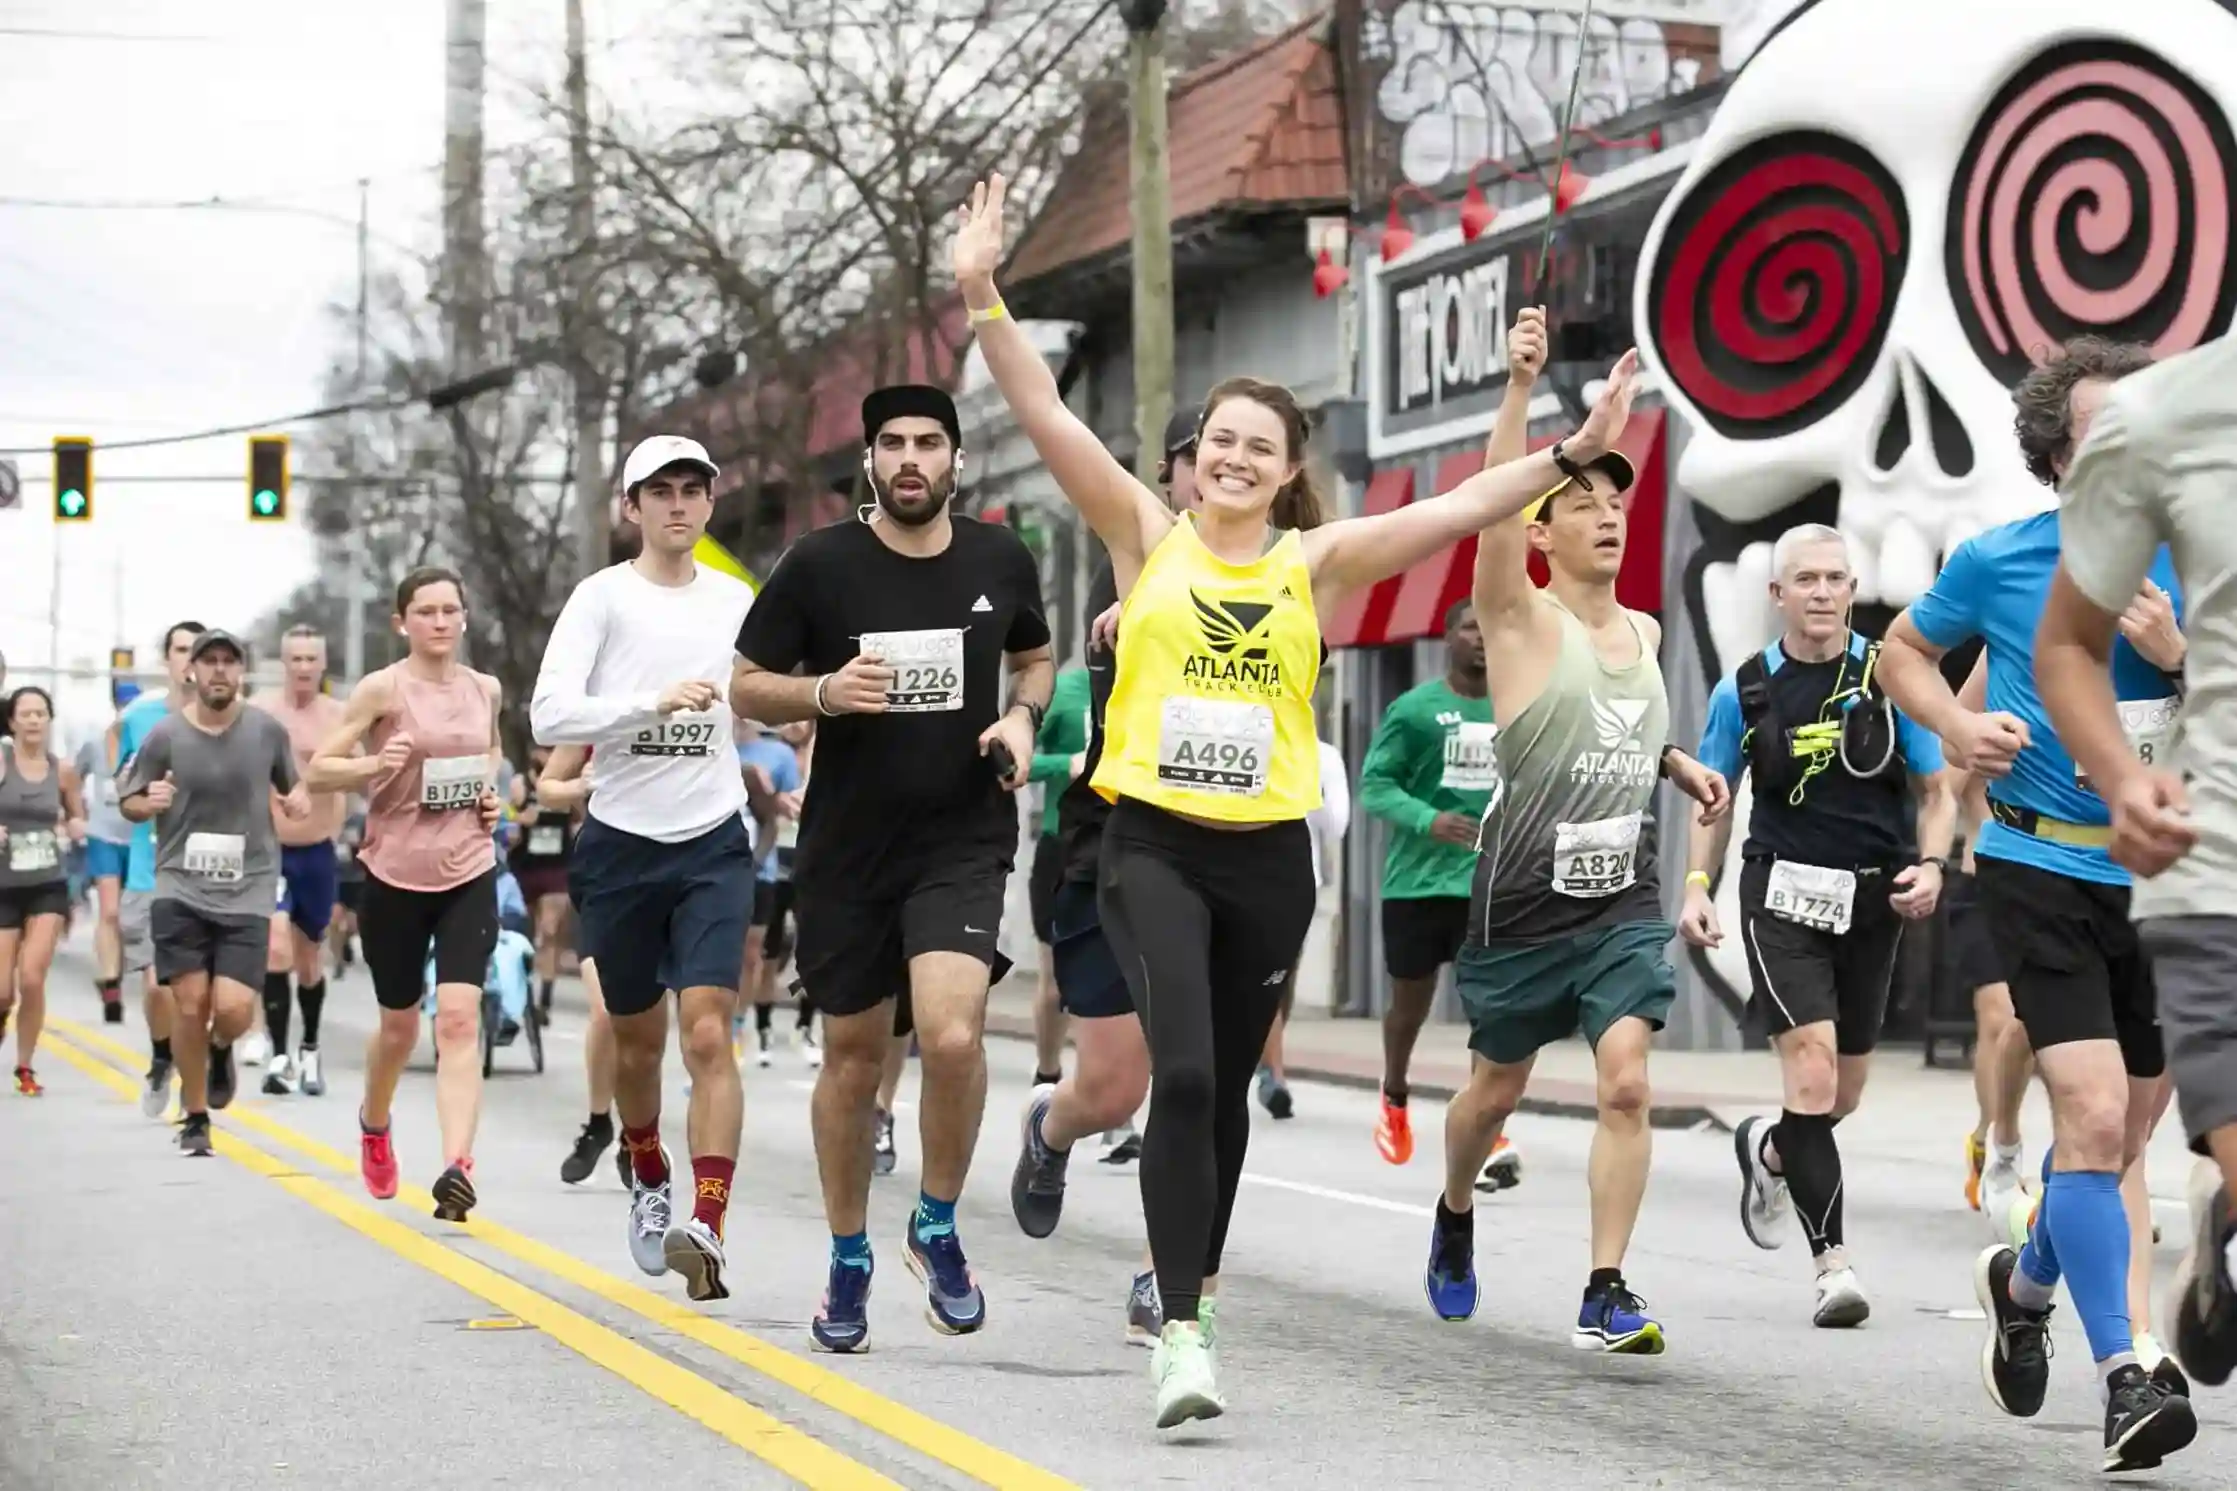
123	324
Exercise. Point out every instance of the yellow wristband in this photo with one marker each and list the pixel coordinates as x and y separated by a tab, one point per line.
994	312
1698	877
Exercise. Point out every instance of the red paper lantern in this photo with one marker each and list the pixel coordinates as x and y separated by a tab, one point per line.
1328	276
1569	187
1397	237
1476	214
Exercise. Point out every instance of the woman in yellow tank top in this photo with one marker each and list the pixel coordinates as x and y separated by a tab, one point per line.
1210	755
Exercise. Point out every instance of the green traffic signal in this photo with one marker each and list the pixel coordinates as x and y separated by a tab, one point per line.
73	479
73	503
268	479
267	502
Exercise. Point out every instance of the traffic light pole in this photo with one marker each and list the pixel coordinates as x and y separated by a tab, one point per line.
54	606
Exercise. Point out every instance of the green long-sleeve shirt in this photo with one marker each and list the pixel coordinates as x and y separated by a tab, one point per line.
1431	754
1063	736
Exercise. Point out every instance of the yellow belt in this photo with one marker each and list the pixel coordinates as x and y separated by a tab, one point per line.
2057	830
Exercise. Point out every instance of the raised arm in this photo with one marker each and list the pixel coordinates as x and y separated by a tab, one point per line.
1126	515
1359	551
336	765
1502	592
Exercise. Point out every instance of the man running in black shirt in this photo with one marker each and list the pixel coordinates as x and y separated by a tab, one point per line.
900	628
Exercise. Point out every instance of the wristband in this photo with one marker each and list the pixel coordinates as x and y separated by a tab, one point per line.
821	708
994	312
1937	861
1034	713
1698	877
1662	763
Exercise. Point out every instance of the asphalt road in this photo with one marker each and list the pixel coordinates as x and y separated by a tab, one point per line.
258	1321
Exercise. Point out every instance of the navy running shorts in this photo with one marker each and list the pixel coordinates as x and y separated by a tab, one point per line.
311	881
659	916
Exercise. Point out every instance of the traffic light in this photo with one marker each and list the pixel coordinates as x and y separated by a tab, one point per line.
73	479
268	478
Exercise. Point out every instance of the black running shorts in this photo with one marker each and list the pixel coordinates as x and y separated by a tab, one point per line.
1421	934
1803	975
853	949
398	928
2076	966
189	942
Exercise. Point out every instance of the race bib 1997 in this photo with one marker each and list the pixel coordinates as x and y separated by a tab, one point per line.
448	783
1597	858
219	857
927	668
33	850
1470	765
1811	896
2150	727
1215	745
680	734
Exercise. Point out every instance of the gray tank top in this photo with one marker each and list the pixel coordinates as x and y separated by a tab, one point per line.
1568	841
29	811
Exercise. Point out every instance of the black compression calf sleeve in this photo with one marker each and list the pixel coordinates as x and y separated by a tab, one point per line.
276	1000
1811	1163
762	1014
313	999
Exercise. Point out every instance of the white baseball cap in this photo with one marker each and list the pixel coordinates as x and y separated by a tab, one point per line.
656	451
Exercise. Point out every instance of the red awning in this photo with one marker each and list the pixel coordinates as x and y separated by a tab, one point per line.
1410	606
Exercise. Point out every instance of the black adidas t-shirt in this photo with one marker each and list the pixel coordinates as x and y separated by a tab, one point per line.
889	788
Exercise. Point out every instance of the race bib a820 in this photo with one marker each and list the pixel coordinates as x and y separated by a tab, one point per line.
1598	858
219	857
2149	725
1811	896
33	850
449	783
681	734
927	668
1215	745
1470	765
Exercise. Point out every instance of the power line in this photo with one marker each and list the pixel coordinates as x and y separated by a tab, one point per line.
331	411
59	33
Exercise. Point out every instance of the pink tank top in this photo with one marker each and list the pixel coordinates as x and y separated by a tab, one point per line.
423	825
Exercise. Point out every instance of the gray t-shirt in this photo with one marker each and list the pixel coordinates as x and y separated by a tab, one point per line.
99	784
2159	467
215	848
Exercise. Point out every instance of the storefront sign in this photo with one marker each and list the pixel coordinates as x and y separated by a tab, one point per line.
1449	336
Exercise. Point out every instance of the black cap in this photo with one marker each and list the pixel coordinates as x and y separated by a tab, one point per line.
1181	431
902	400
213	639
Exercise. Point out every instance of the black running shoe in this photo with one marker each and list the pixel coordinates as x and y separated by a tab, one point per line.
583	1158
221	1077
2168	1377
2016	1357
1037	1184
194	1135
621	1166
1126	1151
112	1012
2205	1303
2143	1424
454	1192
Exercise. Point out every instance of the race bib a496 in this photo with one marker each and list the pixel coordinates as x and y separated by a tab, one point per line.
448	783
1215	745
1598	858
219	857
927	668
1470	765
1811	896
680	734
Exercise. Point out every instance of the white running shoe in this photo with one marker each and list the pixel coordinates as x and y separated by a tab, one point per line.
1841	1301
254	1048
1187	1384
811	1050
650	1209
693	1250
279	1075
2001	1186
309	1075
1763	1197
765	1048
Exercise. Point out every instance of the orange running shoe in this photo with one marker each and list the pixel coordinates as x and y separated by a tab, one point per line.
376	1161
1394	1132
1976	1157
27	1084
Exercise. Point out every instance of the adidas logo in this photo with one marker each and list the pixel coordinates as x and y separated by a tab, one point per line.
982	604
1286	594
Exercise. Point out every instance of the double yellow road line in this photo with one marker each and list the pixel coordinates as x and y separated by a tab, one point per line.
782	1446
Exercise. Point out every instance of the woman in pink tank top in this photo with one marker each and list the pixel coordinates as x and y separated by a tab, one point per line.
431	808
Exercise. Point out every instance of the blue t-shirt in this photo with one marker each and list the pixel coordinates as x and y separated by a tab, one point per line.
772	755
1842	821
133	726
1995	587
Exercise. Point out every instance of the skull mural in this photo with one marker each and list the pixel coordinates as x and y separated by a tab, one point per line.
1899	205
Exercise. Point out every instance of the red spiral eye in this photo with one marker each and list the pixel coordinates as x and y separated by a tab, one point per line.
1776	280
2094	197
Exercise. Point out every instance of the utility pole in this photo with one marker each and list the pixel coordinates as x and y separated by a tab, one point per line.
592	519
466	281
1153	233
354	546
364	236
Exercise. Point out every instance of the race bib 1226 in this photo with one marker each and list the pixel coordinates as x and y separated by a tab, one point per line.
927	668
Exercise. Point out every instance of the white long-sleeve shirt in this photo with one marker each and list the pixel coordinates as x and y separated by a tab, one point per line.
619	644
1329	822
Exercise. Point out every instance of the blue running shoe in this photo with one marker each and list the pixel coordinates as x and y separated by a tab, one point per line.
1450	1279
952	1300
1615	1320
843	1324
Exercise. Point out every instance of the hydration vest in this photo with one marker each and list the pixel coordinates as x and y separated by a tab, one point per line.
1784	755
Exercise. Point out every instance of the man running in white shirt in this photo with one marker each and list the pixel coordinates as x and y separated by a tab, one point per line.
636	667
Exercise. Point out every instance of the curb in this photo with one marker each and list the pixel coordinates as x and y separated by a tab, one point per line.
1691	1116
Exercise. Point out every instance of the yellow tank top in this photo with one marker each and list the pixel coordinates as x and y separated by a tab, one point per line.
1212	710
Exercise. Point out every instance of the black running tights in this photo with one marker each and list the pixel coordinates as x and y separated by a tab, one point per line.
1206	925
